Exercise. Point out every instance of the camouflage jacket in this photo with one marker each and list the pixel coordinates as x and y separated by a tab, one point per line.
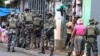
50	24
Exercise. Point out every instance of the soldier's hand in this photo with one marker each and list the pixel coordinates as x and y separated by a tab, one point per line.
71	40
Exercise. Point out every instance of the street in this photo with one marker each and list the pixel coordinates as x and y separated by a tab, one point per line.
3	52
27	24
24	52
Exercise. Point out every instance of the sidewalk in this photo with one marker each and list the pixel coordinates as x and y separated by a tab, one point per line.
35	51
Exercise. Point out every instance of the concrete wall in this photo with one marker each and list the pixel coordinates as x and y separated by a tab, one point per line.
95	13
58	18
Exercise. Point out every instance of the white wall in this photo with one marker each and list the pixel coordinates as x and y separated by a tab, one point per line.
58	20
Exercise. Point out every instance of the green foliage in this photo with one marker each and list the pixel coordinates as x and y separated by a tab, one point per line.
2	4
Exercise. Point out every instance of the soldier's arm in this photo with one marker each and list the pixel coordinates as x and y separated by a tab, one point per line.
85	34
41	22
24	17
54	22
97	31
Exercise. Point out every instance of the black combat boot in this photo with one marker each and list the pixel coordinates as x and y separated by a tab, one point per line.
27	47
42	51
8	49
13	49
51	54
64	47
69	53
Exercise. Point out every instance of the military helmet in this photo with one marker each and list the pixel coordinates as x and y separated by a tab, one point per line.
38	14
92	20
27	9
12	13
49	13
12	10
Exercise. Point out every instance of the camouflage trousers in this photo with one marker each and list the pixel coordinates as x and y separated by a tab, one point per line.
12	39
28	38
51	41
92	45
37	37
18	37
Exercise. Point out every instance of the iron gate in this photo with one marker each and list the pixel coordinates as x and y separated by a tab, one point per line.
42	7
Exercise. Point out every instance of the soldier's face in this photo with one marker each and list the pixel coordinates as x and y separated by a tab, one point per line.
69	6
12	15
49	16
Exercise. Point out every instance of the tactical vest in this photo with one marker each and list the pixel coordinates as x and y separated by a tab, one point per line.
28	17
12	23
91	30
37	21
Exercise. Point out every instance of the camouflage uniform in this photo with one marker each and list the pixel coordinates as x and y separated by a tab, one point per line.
29	27
21	38
50	25
18	24
37	29
12	35
50	34
91	40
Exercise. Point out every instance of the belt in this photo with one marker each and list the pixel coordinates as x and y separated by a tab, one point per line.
12	27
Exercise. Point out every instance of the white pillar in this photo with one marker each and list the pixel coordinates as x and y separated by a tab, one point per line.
58	26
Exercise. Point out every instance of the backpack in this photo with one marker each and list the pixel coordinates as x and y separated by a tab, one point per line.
28	17
12	22
91	30
37	21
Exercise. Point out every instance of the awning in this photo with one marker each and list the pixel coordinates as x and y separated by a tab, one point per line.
6	11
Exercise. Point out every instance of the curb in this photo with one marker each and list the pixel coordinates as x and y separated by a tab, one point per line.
21	50
35	53
31	52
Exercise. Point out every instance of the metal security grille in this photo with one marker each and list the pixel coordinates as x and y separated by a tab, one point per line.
42	7
39	7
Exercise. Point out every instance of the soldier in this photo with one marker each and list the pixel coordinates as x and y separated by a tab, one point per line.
18	29
22	38
50	31
37	29
92	32
18	24
29	27
12	33
22	18
50	26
